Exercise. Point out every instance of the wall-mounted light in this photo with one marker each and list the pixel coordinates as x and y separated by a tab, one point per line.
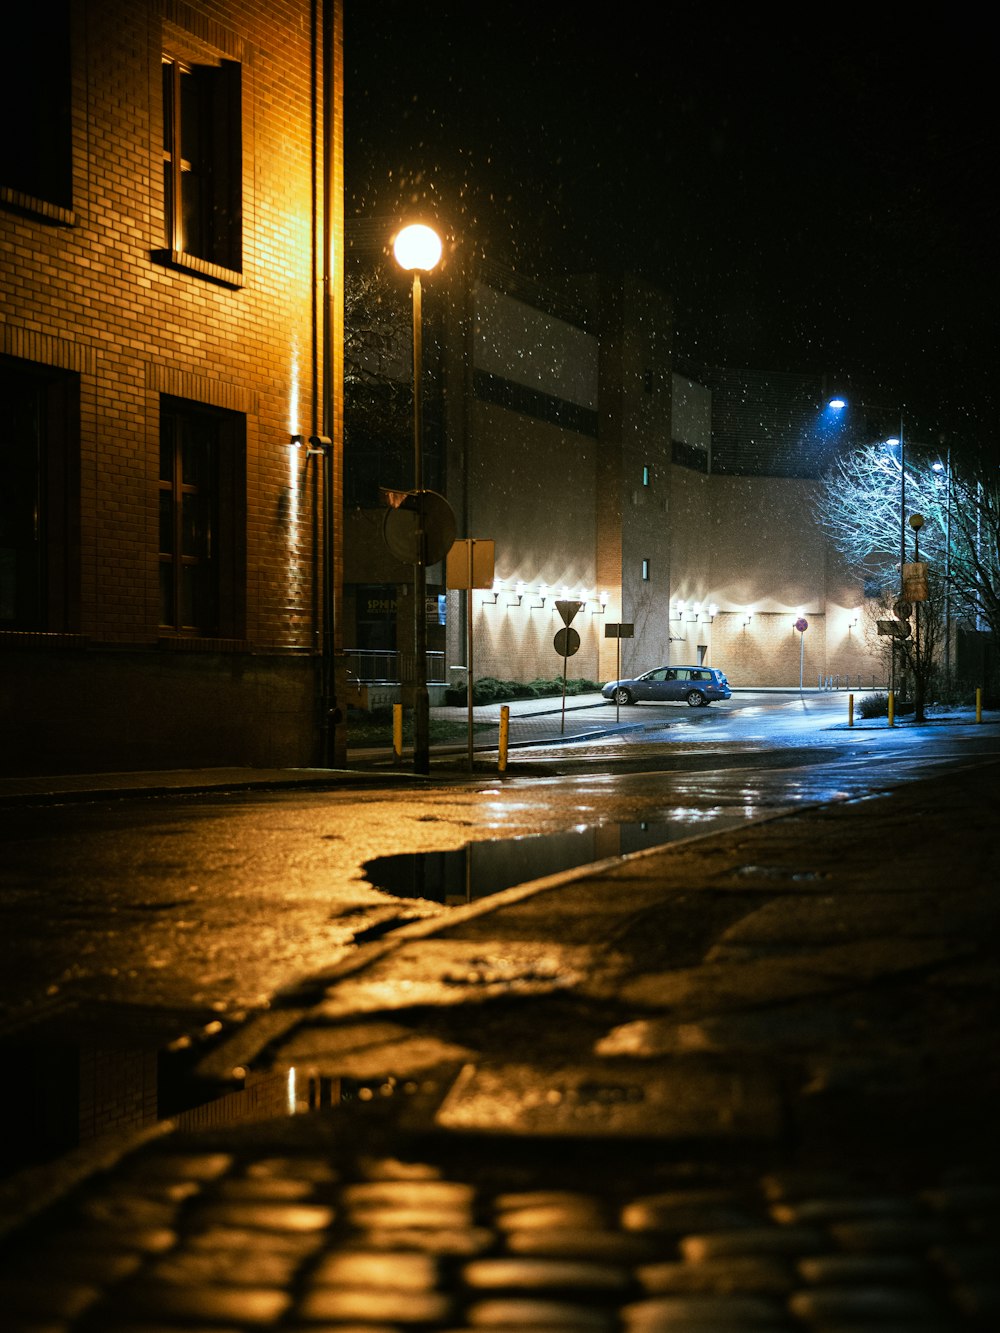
543	592
602	603
297	441
681	606
497	588
518	593
695	611
713	610
853	622
747	617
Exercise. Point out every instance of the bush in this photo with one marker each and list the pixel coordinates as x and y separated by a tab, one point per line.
877	705
489	690
874	705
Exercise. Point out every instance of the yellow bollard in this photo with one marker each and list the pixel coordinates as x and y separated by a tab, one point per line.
850	710
397	731
979	704
504	734
892	709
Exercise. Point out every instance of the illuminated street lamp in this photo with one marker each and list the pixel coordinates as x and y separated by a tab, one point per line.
417	249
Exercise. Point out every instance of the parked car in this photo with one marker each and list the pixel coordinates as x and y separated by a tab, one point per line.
697	686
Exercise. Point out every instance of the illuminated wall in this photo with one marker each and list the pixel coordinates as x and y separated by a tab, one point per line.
107	288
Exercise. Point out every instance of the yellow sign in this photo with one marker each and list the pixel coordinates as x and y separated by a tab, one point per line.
915	581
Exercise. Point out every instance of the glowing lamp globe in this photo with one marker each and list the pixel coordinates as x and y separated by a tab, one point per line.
417	247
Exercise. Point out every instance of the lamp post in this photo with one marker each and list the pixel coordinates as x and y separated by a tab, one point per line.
417	249
946	468
893	442
916	523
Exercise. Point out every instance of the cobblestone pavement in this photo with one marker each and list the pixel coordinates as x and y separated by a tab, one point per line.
319	1227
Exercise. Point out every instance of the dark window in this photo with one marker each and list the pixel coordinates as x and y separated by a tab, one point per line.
39	487
35	147
202	523
202	161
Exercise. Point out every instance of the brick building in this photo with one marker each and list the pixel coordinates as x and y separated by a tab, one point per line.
170	206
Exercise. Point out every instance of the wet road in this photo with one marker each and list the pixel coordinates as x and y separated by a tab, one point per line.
207	905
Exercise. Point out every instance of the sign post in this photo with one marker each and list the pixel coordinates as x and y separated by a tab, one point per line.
566	643
470	565
619	632
801	625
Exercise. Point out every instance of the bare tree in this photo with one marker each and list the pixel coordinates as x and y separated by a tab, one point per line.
973	510
860	505
864	509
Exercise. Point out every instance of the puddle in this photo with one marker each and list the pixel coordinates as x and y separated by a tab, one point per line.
81	1075
481	868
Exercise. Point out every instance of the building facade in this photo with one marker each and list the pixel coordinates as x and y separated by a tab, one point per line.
677	506
165	575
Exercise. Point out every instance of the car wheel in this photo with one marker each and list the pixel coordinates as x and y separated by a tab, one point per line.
622	697
695	699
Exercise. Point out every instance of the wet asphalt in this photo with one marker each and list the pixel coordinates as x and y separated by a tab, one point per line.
747	1080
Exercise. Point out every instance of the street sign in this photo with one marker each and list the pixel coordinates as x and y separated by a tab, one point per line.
802	624
568	610
613	631
896	629
902	609
475	553
566	642
401	523
915	581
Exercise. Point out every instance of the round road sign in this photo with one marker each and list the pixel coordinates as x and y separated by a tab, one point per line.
399	528
566	642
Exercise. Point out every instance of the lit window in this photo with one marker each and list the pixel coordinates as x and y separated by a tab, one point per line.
645	571
202	156
647	475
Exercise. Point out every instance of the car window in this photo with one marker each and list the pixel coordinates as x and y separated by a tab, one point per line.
683	675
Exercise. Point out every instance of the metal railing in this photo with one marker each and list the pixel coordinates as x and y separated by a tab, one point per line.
845	681
377	666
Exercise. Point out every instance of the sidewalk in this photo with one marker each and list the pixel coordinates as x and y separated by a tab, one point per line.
746	1081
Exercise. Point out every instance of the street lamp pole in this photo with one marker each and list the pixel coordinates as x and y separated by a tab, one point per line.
417	249
916	523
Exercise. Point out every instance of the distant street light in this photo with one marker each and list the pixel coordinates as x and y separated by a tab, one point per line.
417	249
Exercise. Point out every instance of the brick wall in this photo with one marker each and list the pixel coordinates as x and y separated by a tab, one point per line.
90	290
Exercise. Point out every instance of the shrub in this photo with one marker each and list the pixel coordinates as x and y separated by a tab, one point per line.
489	690
877	705
874	705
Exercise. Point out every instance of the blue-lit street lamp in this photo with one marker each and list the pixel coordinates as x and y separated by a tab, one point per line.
417	249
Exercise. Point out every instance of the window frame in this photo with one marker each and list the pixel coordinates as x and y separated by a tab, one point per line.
224	563
216	88
53	606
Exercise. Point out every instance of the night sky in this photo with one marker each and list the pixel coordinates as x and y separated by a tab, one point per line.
812	200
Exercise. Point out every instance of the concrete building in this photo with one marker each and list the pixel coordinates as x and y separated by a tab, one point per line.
170	182
679	506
